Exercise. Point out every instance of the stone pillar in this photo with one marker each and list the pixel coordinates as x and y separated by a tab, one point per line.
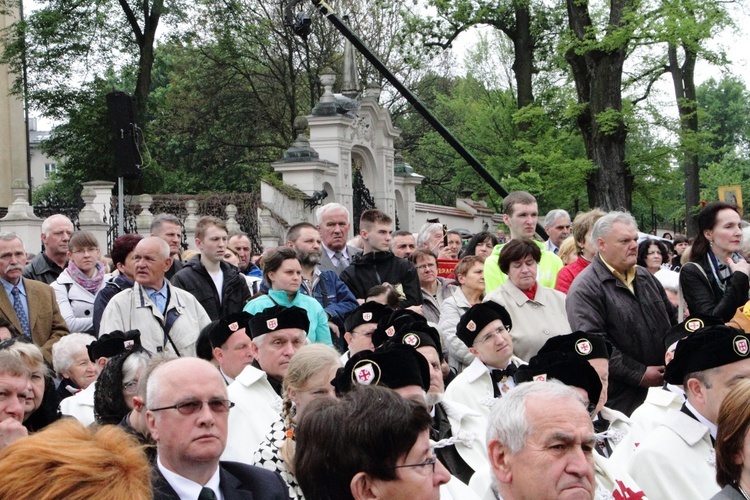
145	218
102	197
21	219
91	217
13	143
232	225
191	221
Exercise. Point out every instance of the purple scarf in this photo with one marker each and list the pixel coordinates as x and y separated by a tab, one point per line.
91	285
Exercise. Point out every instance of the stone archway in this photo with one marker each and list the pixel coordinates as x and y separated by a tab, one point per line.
361	198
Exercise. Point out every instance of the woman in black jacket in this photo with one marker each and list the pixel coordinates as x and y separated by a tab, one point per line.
715	281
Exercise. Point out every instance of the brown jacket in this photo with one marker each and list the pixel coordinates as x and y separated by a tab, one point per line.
47	324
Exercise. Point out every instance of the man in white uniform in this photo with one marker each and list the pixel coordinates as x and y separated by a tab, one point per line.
677	459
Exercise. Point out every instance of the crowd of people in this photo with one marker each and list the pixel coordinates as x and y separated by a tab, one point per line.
598	363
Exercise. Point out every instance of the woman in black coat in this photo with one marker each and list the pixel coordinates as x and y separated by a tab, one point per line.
715	281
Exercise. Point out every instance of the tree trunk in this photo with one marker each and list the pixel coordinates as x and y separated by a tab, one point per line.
523	49
597	72
683	79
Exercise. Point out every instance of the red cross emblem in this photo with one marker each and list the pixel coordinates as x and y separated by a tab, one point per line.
411	340
741	346
367	316
366	372
128	344
583	347
471	326
233	327
693	325
272	323
540	378
390	331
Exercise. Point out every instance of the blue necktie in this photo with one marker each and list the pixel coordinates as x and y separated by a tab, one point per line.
18	307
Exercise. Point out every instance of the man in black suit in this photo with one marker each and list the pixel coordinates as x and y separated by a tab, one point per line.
187	416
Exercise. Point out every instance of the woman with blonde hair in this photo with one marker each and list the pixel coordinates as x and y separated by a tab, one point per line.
67	460
308	378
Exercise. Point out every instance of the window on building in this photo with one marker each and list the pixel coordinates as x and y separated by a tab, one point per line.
49	169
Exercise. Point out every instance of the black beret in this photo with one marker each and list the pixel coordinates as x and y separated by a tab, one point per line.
225	327
392	365
586	345
707	348
113	343
479	316
419	334
278	318
693	323
394	324
369	312
569	369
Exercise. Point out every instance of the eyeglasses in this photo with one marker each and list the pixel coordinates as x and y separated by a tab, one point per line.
130	386
422	466
422	267
191	407
491	335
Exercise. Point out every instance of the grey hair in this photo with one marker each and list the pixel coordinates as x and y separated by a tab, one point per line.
8	236
66	348
132	364
163	245
319	213
603	226
31	355
12	364
160	219
153	362
508	423
745	241
427	231
47	224
552	215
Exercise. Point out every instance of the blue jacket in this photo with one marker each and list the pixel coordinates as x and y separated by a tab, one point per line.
331	293
319	331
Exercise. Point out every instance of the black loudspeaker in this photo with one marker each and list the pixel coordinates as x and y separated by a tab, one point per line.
124	135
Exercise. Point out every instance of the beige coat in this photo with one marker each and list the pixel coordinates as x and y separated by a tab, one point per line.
534	321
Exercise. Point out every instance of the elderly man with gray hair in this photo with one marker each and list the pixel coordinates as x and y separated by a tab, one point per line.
557	224
541	443
169	319
47	265
627	305
334	223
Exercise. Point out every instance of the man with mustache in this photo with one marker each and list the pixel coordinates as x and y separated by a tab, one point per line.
325	286
627	305
30	305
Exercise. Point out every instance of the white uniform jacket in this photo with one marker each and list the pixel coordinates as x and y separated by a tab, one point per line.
80	405
470	427
676	460
473	388
653	411
133	309
612	481
619	436
256	407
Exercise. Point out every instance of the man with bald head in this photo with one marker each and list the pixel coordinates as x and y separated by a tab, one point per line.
168	318
47	265
188	418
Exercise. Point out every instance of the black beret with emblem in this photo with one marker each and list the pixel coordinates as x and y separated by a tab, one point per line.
586	345
418	334
369	312
113	343
278	318
225	327
687	327
479	316
707	348
568	368
392	365
396	323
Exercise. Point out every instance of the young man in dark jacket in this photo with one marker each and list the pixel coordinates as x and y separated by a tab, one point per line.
218	286
377	265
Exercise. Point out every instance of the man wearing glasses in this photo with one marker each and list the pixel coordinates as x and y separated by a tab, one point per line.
484	328
187	417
